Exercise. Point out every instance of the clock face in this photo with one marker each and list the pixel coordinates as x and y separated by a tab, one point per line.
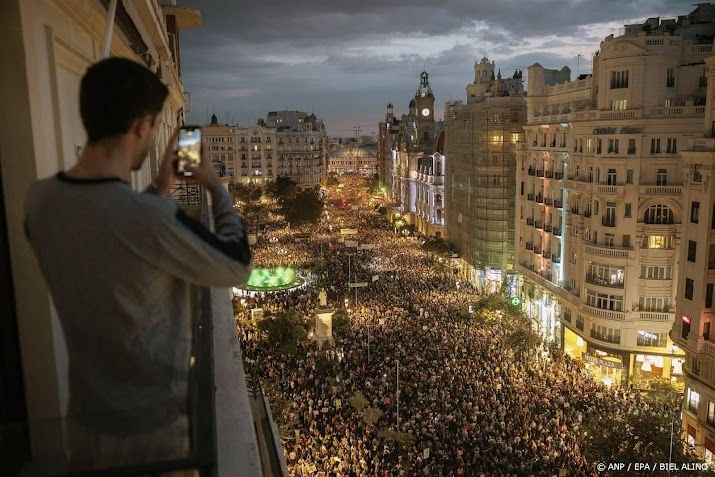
425	112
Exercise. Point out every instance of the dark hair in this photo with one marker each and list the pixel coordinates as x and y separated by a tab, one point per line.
115	92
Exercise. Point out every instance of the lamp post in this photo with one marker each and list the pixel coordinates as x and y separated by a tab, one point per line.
398	395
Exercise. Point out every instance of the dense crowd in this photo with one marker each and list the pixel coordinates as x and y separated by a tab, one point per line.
468	405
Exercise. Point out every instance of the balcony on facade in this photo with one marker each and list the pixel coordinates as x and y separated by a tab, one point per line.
600	250
659	191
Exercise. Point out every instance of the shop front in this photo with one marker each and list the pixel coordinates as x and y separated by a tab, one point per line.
646	368
606	366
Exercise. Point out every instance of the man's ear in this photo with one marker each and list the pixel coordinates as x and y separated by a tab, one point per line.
143	126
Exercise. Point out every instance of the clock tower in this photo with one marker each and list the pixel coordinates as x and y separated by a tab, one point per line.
424	112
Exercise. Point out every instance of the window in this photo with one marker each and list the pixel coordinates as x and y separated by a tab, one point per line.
655	145
605	274
608	240
689	288
603	333
694	212
650	338
653	303
656	272
692	248
631	146
627	212
629	176
697	174
619	79
658	214
604	301
598	146
693	400
709	296
658	241
670	78
619	104
672	147
613	146
661	178
579	322
609	220
626	241
711	413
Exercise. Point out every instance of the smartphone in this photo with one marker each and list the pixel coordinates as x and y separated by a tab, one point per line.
189	149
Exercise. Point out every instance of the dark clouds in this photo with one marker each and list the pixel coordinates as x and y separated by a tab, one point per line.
346	59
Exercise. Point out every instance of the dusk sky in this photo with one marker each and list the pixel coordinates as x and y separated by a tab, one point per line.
345	60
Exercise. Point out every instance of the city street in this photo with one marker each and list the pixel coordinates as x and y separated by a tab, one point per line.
467	405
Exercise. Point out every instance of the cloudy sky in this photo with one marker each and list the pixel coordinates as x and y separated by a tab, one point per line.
346	59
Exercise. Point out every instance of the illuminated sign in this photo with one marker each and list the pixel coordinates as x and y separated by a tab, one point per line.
686	319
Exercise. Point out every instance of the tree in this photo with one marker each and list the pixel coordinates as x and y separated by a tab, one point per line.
305	207
375	184
341	319
637	436
245	193
283	189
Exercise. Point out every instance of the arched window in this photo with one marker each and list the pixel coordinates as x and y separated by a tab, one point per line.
658	214
438	199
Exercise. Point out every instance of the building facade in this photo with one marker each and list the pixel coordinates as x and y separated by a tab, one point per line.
410	139
220	144
600	197
694	313
429	202
47	48
353	159
480	147
301	146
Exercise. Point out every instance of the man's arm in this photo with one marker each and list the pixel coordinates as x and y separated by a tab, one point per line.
189	250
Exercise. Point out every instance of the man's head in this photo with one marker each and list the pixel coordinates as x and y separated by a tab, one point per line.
120	101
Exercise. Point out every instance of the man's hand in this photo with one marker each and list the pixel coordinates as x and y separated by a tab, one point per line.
204	172
167	171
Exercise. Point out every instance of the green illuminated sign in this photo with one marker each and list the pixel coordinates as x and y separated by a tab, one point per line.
271	278
515	301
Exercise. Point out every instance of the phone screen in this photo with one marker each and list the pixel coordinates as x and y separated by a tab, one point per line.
189	149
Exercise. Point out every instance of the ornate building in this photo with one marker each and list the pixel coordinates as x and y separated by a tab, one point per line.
600	198
480	147
429	213
356	159
408	140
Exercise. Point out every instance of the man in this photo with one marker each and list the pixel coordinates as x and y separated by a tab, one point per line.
119	265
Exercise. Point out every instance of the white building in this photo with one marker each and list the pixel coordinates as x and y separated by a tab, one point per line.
353	159
599	194
429	206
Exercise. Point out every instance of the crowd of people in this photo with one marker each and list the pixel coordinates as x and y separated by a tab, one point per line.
465	406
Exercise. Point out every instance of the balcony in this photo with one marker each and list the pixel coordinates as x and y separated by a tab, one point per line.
661	190
537	250
539	173
607	189
607	314
549	174
654	316
555	258
539	199
557	231
548	201
531	171
548	228
538	224
559	204
603	251
530	221
558	175
530	197
546	254
529	246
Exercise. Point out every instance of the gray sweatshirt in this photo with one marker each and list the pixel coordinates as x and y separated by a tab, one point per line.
119	265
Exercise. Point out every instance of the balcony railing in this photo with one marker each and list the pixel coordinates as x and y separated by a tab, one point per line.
608	314
537	250
559	204
557	231
548	201
529	196
539	198
530	221
555	258
531	171
651	316
529	246
539	173
659	190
